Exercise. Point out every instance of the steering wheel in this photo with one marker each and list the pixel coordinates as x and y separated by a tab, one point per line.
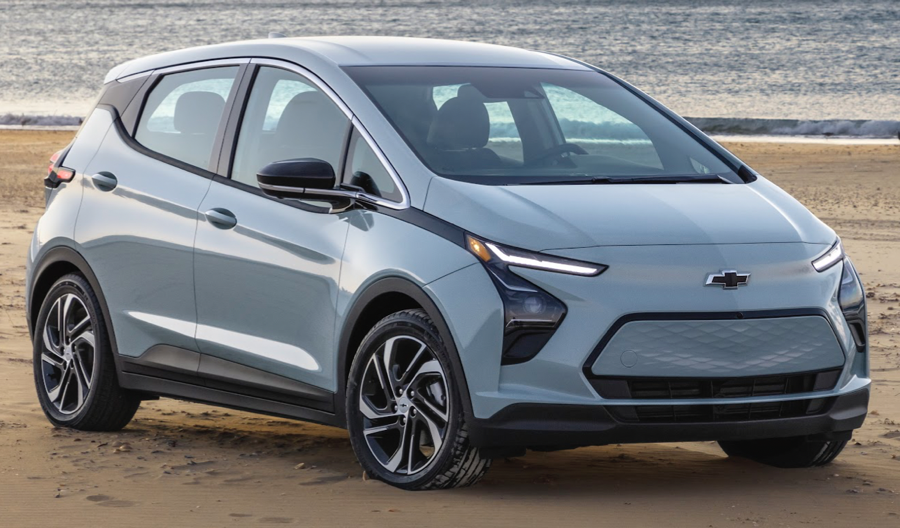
558	150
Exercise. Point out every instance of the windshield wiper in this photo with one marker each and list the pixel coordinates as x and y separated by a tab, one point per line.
679	178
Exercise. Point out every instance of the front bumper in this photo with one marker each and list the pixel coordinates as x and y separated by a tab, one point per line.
543	426
556	399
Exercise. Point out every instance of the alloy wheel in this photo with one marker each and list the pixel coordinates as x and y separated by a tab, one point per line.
68	354
405	405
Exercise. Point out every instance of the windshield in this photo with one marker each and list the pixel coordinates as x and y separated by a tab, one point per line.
506	126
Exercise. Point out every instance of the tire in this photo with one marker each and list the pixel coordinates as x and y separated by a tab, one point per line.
793	452
74	371
394	415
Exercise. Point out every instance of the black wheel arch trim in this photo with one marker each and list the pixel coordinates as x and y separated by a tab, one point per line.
406	287
69	255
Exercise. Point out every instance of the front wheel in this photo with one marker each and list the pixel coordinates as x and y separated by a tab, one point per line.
792	452
404	410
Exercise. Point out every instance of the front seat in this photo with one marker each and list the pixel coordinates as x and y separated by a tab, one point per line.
459	133
310	126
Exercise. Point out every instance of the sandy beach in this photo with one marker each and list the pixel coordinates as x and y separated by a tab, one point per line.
181	464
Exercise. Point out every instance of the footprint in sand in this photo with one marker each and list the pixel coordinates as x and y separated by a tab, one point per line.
276	520
19	360
237	480
325	480
116	504
109	502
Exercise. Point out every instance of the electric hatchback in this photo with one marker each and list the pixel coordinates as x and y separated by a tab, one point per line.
457	251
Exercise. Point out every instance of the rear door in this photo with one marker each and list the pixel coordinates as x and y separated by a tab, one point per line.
138	218
267	269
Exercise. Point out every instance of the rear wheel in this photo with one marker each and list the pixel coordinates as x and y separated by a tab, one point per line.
74	370
404	411
793	452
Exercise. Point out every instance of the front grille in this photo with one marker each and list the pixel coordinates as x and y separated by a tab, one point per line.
737	412
706	388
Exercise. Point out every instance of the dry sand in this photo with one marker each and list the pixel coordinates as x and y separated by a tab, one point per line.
182	464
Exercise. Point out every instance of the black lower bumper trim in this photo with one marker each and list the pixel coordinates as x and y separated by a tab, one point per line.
567	426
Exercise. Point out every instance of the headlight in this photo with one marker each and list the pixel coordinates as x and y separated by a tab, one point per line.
830	257
531	315
851	295
852	299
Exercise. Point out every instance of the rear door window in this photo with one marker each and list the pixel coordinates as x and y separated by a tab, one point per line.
182	114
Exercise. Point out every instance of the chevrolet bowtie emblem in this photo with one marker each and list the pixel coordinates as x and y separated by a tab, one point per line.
728	279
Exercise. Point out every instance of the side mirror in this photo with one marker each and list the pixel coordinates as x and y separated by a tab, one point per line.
296	178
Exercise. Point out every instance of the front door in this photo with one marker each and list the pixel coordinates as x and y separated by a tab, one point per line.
267	270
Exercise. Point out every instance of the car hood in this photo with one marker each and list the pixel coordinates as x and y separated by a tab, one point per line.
544	217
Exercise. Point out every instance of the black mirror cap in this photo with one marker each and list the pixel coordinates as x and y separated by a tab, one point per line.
303	173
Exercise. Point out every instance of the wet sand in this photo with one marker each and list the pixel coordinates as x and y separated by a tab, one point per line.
180	464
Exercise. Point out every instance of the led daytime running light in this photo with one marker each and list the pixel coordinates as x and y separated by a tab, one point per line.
488	251
530	262
830	258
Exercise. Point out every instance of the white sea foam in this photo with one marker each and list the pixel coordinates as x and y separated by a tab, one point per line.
617	132
23	120
796	127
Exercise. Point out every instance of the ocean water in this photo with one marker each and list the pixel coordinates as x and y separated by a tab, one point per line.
795	67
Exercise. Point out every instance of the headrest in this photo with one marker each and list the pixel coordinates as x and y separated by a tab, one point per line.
470	92
310	126
303	107
411	108
461	123
198	112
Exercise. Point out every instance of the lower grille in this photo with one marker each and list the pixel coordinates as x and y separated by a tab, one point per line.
706	388
738	412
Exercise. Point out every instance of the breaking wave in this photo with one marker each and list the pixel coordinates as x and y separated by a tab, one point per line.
39	120
858	128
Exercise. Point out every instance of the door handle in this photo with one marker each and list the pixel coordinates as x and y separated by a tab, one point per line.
221	218
105	181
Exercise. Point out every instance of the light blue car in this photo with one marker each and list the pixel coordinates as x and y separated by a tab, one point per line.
457	251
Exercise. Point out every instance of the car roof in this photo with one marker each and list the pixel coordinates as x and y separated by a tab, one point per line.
356	51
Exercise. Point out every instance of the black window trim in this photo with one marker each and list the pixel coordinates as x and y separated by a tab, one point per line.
235	120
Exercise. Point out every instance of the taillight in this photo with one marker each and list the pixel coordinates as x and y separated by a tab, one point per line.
53	159
56	173
63	174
